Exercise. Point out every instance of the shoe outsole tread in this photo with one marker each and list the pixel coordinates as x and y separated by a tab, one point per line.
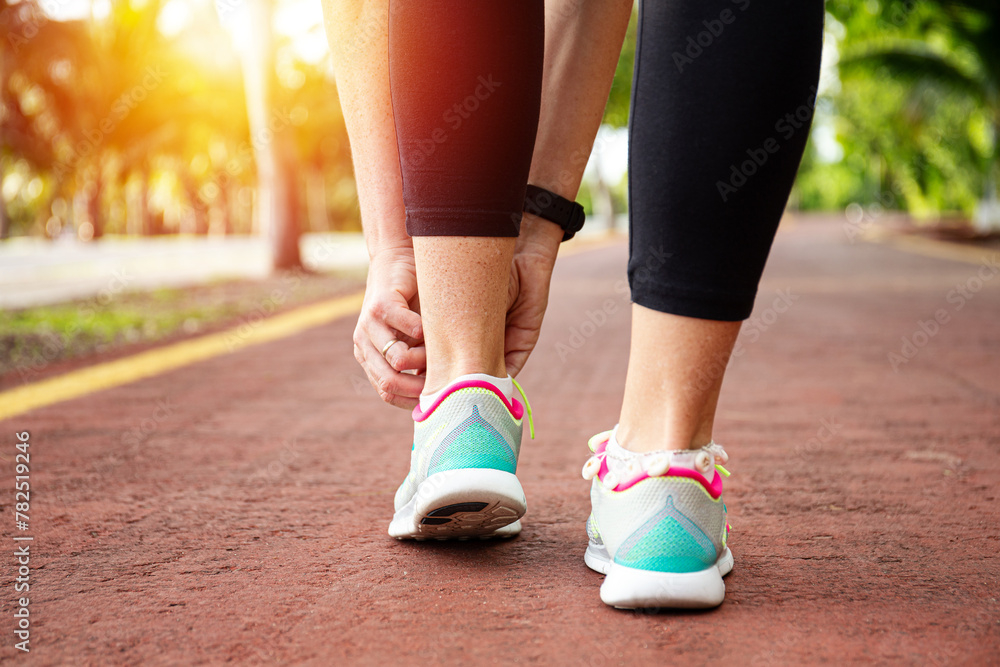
462	504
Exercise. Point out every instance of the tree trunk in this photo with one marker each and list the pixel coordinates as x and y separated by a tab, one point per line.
145	219
289	203
226	200
986	219
271	212
197	205
316	200
94	205
4	218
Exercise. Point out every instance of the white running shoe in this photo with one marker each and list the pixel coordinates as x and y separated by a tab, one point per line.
461	482
658	527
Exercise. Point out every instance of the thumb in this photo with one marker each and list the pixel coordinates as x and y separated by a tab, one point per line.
513	287
515	361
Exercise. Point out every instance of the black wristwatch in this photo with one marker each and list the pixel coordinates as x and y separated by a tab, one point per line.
546	204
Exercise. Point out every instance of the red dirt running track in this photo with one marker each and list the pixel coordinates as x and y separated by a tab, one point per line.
247	521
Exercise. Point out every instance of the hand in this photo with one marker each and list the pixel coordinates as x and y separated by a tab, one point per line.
531	273
391	310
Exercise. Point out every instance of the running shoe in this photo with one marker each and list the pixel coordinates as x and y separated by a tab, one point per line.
462	479
658	527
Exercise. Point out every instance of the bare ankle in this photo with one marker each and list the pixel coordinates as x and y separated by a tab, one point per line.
649	438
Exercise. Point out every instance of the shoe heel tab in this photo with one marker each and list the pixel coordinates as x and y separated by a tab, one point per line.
514	407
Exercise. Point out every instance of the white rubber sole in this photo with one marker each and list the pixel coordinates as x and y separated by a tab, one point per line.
629	588
597	558
461	504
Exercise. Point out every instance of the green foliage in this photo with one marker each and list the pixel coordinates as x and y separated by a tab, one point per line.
917	111
616	112
32	337
915	108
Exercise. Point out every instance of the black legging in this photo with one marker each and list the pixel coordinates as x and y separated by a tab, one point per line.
722	101
466	82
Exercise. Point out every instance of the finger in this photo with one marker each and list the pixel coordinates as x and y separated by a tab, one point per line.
410	342
406	402
515	361
388	381
405	321
370	358
402	402
379	335
402	357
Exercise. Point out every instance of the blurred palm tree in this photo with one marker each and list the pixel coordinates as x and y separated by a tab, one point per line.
952	44
22	71
89	102
121	123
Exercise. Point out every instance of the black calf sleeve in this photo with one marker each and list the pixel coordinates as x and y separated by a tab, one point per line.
466	81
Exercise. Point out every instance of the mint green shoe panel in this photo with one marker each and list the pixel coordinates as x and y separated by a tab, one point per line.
668	542
473	444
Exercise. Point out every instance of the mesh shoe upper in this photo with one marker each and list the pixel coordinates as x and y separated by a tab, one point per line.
668	522
471	426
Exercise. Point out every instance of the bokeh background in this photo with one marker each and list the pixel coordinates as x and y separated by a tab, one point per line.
152	145
152	117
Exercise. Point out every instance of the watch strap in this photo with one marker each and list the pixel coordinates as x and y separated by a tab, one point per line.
546	204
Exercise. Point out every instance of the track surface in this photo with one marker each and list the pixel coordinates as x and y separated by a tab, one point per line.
236	509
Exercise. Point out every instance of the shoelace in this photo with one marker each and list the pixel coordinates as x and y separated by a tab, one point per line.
714	449
719	453
527	408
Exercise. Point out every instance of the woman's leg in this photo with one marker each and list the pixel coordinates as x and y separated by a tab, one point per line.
463	124
465	79
721	107
466	83
670	399
463	302
466	88
722	99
